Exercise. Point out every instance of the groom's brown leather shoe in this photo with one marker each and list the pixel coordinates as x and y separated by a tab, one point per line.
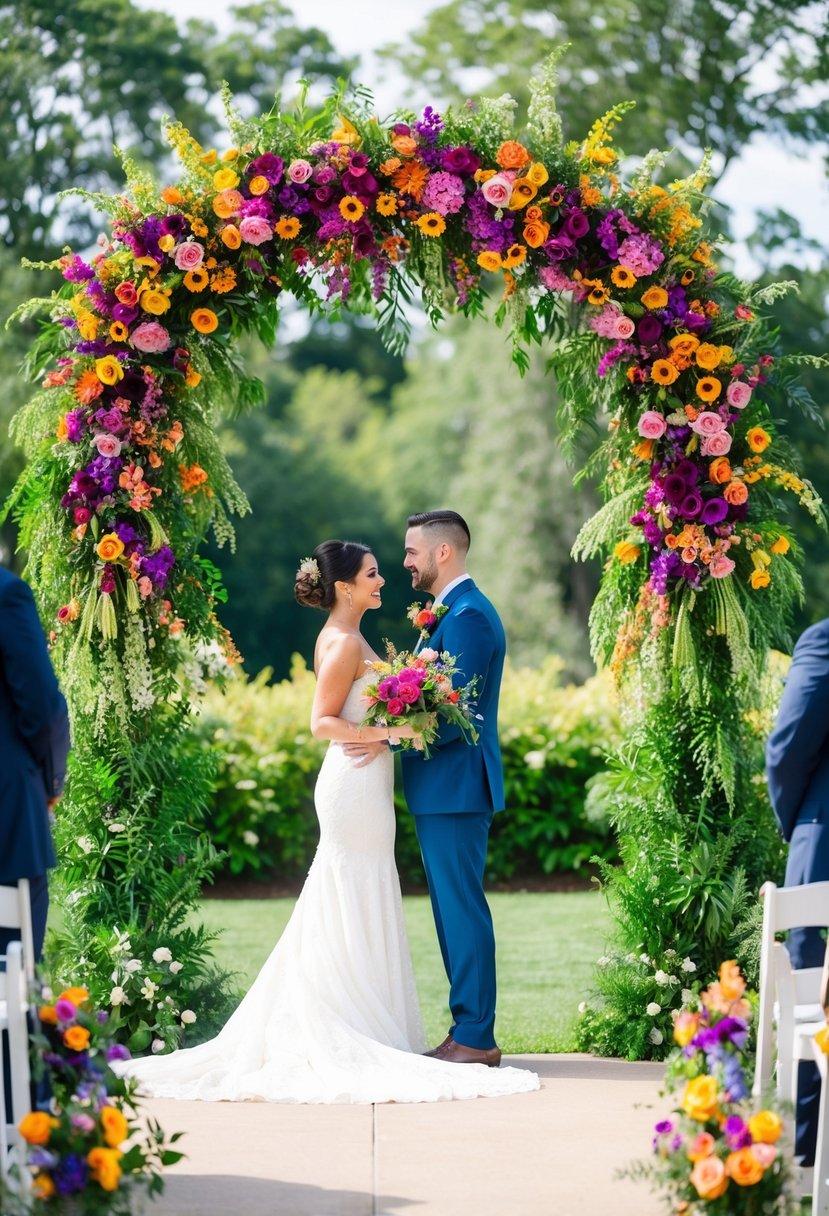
458	1053
436	1051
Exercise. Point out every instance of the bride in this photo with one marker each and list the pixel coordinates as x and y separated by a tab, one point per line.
333	1015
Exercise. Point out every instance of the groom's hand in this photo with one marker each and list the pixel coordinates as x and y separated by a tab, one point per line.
364	753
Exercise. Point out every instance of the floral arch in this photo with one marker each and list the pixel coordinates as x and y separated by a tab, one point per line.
126	476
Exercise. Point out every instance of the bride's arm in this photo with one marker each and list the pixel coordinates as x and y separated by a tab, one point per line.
340	664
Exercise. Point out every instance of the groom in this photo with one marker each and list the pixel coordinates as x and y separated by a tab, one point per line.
454	794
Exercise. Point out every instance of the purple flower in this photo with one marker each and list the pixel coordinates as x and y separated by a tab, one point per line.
687	470
157	566
695	322
691	505
663	1127
560	247
714	511
75	425
65	1011
126	533
98	346
323	174
460	160
358	164
653	533
42	1159
649	330
76	270
71	1174
268	165
117	1052
388	688
576	224
174	225
124	313
676	488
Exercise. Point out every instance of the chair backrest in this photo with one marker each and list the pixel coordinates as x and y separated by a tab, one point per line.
13	1008
16	913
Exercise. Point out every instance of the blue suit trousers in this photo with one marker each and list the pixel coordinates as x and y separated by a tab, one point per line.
454	857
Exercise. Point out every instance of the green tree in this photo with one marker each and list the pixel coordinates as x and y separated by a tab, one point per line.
690	65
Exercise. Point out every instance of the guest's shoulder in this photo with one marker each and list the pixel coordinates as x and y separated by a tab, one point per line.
814	640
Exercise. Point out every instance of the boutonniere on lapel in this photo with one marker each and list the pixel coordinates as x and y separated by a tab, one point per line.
425	619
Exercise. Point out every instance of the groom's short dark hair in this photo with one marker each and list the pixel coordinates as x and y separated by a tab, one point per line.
446	525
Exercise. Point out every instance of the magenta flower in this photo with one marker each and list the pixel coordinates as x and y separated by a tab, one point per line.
396	707
408	693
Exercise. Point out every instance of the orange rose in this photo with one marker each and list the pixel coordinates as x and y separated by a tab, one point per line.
36	1127
76	1038
104	1167
758	439
114	1126
701	1146
227	203
259	184
204	320
489	259
732	984
743	1167
533	213
512	155
709	1178
719	471
75	995
231	236
736	493
536	233
708	356
404	144
172	196
110	547
48	1014
684	344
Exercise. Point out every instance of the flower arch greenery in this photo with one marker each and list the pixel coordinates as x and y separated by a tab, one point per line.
126	476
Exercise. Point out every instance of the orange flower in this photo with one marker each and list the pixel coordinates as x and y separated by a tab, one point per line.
87	387
411	179
431	224
172	196
655	297
743	1167
36	1127
259	184
404	144
532	214
758	439
110	547
719	470
523	192
191	477
766	1127
688	277
620	276
288	227
228	203
538	175
104	1167
386	204
192	377
489	259
43	1187
702	254
514	256
512	155
708	388
231	236
76	1038
390	166
351	208
536	233
709	1178
113	1125
707	356
780	546
204	320
625	552
736	493
684	344
759	578
125	293
664	372
196	280
702	1145
643	450
48	1015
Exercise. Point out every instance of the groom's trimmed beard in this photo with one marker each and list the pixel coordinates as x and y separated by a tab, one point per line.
426	577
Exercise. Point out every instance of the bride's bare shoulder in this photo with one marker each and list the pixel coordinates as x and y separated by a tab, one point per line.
338	650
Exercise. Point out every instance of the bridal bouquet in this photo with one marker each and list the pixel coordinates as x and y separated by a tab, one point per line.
717	1153
418	690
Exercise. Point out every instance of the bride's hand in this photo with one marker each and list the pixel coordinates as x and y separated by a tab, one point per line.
363	753
396	733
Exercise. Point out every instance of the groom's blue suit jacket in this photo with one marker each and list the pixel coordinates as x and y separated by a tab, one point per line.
34	735
460	777
797	759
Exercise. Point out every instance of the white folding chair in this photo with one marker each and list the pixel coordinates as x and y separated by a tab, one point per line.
790	1004
14	1006
16	913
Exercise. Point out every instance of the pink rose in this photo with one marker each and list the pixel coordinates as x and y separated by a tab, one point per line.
151	337
652	425
764	1153
624	328
716	445
107	445
189	255
299	171
145	587
708	423
408	693
395	707
255	230
738	394
498	190
720	566
427	654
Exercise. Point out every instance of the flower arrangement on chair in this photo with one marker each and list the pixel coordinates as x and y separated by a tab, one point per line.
716	1153
90	1148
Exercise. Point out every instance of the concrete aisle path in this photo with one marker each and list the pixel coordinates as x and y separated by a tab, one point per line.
549	1153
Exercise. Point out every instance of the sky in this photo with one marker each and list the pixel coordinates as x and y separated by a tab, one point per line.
765	177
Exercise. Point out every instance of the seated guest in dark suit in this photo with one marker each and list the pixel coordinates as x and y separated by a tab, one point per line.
34	745
797	763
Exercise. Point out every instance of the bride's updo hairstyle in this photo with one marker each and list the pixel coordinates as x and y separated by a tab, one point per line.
334	561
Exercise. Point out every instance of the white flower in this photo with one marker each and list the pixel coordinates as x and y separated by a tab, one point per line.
187	1017
246	785
162	955
656	903
653	1009
603	961
158	1045
670	952
175	968
673	979
535	760
687	965
86	844
630	958
662	977
117	827
117	996
582	1006
655	1036
148	989
250	838
644	958
686	996
133	965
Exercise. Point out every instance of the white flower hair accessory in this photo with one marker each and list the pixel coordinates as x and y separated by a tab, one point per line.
309	571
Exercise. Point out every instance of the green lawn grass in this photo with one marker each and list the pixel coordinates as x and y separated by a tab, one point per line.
547	948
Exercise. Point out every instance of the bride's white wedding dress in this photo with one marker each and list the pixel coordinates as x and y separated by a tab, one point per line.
333	1015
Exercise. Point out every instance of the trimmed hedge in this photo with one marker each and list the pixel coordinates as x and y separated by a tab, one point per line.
553	740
